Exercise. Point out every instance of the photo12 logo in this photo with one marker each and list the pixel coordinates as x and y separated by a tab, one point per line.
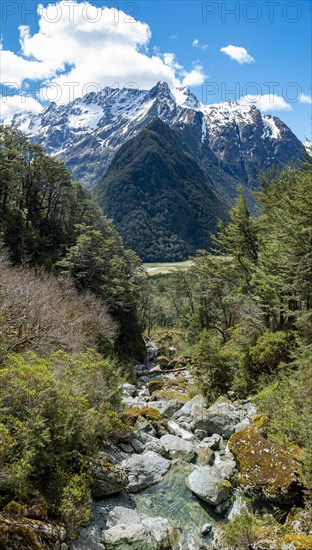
252	12
54	92
67	11
251	92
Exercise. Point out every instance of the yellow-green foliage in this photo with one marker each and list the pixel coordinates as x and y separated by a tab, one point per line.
300	541
212	368
147	412
171	394
76	503
271	349
52	408
259	421
240	533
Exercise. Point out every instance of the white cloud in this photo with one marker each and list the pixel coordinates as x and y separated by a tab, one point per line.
195	77
266	103
305	99
12	104
238	53
15	69
171	61
80	47
196	43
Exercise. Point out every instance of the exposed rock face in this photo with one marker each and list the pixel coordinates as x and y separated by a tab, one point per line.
178	447
265	468
194	407
25	534
176	429
221	418
108	479
145	470
122	514
208	485
205	454
226	464
152	443
149	534
230	140
213	442
166	408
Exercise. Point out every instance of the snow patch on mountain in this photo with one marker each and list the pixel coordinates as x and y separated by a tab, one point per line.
222	114
270	128
85	116
185	98
87	132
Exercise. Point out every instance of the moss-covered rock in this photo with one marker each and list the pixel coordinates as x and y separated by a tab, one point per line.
259	421
265	468
17	533
15	508
155	385
169	394
294	540
205	456
147	412
177	383
108	479
37	508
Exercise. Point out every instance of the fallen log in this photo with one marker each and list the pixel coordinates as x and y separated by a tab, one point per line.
148	372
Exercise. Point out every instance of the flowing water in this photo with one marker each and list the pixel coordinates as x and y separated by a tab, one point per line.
171	499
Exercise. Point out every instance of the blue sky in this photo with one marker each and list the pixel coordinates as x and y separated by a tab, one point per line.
248	51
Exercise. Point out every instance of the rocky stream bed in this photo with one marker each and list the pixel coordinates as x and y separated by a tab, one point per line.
177	476
177	490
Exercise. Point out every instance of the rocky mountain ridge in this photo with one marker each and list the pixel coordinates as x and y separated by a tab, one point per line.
229	140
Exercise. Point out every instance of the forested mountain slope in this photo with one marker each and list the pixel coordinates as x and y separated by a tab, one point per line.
159	199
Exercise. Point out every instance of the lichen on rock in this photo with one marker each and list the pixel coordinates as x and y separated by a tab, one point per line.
265	468
19	533
147	412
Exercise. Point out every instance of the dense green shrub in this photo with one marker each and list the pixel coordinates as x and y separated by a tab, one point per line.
212	363
240	532
76	503
271	349
51	409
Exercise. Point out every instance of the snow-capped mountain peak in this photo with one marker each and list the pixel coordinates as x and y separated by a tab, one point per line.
87	132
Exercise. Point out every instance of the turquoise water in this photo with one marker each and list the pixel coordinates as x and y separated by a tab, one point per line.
171	499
